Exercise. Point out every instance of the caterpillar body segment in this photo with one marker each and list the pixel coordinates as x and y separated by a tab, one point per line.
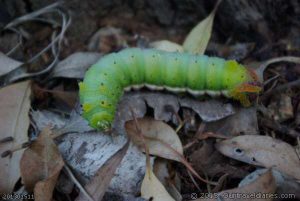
105	82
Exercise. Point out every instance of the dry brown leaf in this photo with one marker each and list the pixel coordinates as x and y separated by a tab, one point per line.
152	130
99	184
262	151
43	189
7	64
244	121
197	40
281	108
165	106
68	97
207	159
160	139
75	65
210	110
284	184
40	166
263	188
153	189
15	105
236	51
166	45
261	69
168	176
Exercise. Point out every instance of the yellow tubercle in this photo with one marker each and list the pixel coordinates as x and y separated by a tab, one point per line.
87	107
103	89
82	89
82	86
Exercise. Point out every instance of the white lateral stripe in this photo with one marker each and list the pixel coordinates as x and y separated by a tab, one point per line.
212	93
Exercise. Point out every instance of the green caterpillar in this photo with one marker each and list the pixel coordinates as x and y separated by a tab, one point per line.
105	81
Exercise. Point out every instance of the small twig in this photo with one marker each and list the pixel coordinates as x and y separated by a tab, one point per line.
55	44
188	145
279	128
182	122
200	129
12	50
260	71
193	180
200	135
34	14
298	148
46	21
207	185
217	5
182	159
139	131
73	178
16	148
270	89
271	79
212	135
172	110
6	139
181	125
178	118
23	145
281	88
220	181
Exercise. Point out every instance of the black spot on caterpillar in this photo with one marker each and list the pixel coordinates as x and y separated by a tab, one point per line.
106	80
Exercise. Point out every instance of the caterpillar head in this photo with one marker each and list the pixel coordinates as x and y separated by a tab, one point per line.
248	91
256	88
101	121
103	125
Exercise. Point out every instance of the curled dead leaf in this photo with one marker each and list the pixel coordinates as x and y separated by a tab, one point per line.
285	185
281	108
75	65
40	166
15	105
155	133
262	151
197	40
166	45
9	64
168	176
243	121
263	66
153	189
263	188
160	139
99	184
